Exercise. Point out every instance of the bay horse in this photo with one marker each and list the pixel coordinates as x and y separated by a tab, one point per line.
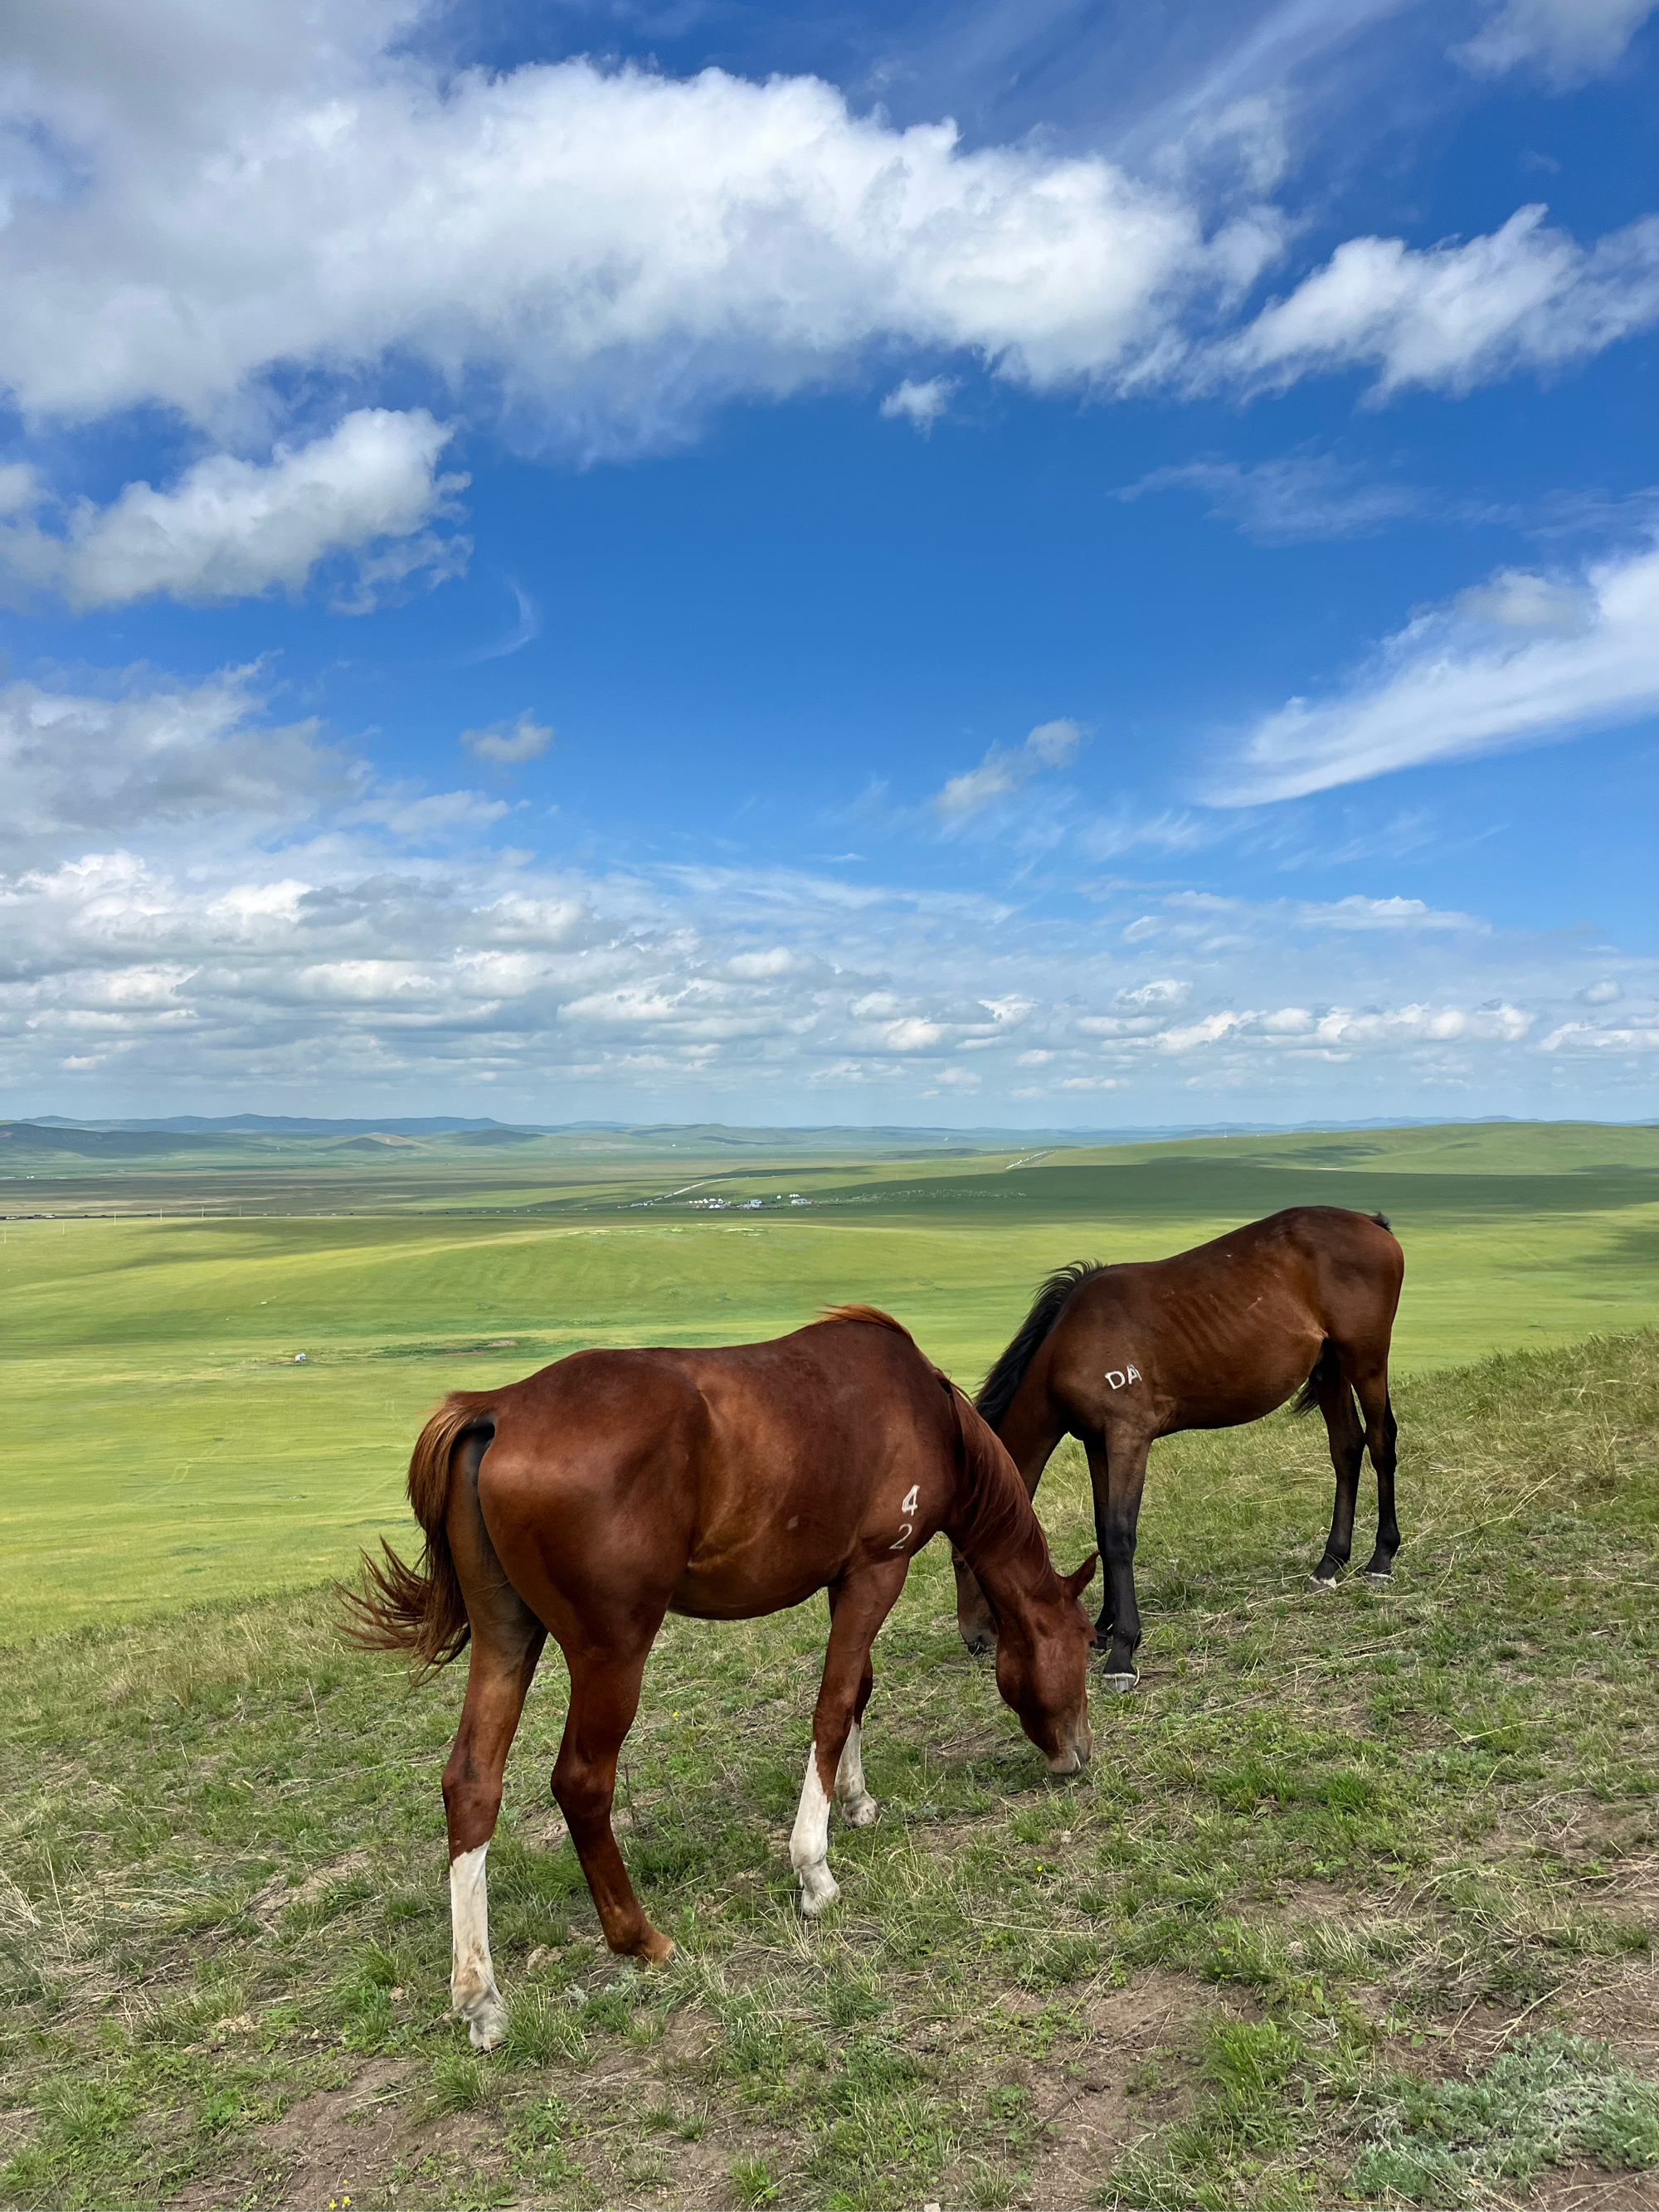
616	1487
1117	1356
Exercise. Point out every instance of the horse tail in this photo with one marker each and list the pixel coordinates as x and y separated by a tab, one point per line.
421	1609
1326	1370
996	1393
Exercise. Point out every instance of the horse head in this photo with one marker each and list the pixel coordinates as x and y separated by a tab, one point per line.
1042	1669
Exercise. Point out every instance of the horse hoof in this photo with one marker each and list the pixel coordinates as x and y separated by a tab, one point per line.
1322	1581
861	1812
1120	1685
820	1898
1372	1576
487	2025
979	1645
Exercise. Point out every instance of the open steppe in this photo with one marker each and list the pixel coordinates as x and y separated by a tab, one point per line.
1357	1902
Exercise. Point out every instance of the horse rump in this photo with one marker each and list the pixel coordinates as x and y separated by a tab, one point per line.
421	1609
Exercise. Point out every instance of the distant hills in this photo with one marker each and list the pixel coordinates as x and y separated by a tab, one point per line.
283	1125
486	1130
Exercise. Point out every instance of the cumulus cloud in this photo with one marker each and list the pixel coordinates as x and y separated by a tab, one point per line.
1451	316
599	256
230	528
919	404
615	250
1524	660
156	756
210	905
1004	769
508	743
1564	40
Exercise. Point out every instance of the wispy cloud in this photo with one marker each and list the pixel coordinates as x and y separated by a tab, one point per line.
1004	770
1523	658
1564	41
528	626
1291	499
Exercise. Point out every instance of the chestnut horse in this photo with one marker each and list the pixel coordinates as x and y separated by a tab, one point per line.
616	1487
1117	1356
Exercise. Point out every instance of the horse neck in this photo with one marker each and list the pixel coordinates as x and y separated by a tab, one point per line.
998	1533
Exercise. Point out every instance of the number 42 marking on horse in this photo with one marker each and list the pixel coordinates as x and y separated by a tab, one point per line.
1117	1377
906	1505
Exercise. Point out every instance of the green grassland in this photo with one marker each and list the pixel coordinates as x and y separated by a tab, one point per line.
171	1447
1356	1904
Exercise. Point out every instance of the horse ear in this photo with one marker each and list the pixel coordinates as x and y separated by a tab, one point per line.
1077	1583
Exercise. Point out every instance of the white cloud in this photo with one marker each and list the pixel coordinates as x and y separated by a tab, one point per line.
599	256
194	904
1002	771
1515	599
161	755
1453	315
615	250
230	528
1357	912
913	1035
508	743
1585	1036
1567	40
920	404
1291	500
1447	686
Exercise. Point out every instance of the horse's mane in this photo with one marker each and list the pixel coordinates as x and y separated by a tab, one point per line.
873	1314
996	1393
996	1515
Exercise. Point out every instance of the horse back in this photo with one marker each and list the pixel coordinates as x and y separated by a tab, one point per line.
724	1482
1225	1332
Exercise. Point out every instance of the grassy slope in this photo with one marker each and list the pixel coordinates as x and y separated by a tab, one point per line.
1334	1855
173	1449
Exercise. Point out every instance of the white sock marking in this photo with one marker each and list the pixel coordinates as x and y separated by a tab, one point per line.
808	1842
472	1979
858	1807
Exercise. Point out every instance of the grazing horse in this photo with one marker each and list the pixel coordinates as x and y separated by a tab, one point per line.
616	1487
1117	1356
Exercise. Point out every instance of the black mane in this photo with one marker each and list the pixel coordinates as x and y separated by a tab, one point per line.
996	1392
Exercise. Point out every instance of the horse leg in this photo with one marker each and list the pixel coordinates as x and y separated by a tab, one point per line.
1382	1431
1028	1438
1118	1476
506	1643
1347	1439
835	1763
604	1695
858	1808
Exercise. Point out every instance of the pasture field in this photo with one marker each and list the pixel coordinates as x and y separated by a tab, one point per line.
1356	1902
174	1449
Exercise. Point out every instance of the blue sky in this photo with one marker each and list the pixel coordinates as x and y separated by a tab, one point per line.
1075	566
